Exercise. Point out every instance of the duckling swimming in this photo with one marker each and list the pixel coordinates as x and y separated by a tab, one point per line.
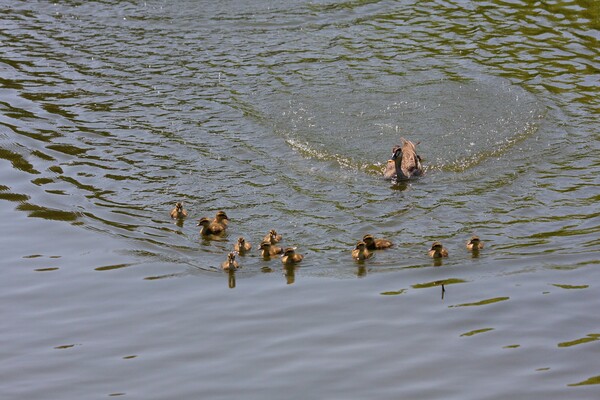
242	246
178	212
437	250
222	219
268	249
406	162
474	244
210	227
361	252
376	244
230	264
291	257
272	237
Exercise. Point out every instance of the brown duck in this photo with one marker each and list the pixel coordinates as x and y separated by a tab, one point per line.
291	257
474	244
267	249
210	227
222	219
272	237
376	244
361	252
405	162
437	250
230	264
178	212
242	246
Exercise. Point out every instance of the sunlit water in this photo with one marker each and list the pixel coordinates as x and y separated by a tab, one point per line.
284	114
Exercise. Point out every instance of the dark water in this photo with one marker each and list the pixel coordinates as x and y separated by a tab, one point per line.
283	114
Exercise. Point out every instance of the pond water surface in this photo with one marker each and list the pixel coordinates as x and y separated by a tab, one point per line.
283	114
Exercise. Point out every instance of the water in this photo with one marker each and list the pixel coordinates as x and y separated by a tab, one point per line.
283	114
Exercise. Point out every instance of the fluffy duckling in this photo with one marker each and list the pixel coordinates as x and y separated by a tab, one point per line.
230	264
291	257
474	244
437	250
178	212
210	227
376	244
267	249
361	252
407	163
222	219
242	246
272	237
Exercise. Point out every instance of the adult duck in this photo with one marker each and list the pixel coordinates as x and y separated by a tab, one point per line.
405	162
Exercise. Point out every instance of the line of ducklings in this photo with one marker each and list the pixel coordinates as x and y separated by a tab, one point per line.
364	249
212	229
268	246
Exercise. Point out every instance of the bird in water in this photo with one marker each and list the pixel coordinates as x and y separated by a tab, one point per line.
210	227
437	250
474	244
291	257
178	212
267	249
376	244
405	162
222	219
361	252
242	246
272	237
230	264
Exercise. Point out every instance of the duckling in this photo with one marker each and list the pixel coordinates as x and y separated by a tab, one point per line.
230	264
210	227
474	244
291	257
389	172
376	244
407	163
272	237
242	246
222	219
268	249
178	212
361	252
437	250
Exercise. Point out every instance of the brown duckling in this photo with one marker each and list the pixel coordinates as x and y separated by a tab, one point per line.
268	249
474	244
222	219
407	163
178	212
230	264
290	256
361	252
242	246
437	250
376	244
272	237
210	227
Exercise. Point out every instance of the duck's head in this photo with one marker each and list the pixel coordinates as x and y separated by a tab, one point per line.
221	216
360	246
396	152
368	239
179	206
204	222
289	251
231	257
474	240
436	246
265	246
241	240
